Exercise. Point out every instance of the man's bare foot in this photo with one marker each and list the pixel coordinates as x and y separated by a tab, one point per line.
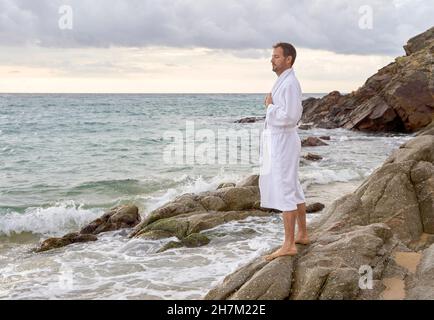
302	240
281	252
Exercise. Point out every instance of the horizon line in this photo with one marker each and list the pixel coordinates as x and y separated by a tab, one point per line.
3	93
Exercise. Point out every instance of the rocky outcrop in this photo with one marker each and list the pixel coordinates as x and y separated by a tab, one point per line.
189	214
400	97
117	218
361	234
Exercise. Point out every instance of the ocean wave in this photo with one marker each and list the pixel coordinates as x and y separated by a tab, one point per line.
56	220
326	176
190	184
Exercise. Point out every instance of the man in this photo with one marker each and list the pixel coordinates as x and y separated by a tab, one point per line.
279	184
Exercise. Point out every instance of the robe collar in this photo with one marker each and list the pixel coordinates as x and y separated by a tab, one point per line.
281	79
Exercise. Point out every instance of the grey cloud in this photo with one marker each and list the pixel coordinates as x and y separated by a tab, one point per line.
240	26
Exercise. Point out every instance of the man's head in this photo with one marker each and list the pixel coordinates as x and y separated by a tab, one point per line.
283	58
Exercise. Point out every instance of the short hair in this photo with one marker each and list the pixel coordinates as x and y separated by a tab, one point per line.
288	50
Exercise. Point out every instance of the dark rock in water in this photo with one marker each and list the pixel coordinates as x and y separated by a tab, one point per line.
312	157
399	98
250	120
117	218
325	137
70	238
314	207
312	142
195	240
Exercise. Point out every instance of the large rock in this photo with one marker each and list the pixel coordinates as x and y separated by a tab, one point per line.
397	98
389	215
181	226
328	269
189	214
399	193
244	196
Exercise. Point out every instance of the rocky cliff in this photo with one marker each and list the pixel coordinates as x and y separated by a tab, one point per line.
399	97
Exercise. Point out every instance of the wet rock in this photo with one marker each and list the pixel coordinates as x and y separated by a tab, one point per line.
312	157
250	120
244	197
312	142
191	241
70	238
117	218
182	226
195	240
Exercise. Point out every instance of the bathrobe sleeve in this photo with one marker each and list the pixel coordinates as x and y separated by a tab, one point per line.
290	109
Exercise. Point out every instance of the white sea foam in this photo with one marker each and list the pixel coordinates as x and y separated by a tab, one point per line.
116	267
69	216
326	176
56	220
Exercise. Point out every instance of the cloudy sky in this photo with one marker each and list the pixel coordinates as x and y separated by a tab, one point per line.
199	45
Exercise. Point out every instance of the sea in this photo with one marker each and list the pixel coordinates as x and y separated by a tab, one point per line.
65	159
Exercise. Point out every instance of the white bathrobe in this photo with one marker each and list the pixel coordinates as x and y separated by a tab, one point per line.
280	147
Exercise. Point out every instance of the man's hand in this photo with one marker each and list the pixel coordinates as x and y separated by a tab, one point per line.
268	100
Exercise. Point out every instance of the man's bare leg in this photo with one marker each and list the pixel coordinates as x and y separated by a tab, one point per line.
288	248
302	236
